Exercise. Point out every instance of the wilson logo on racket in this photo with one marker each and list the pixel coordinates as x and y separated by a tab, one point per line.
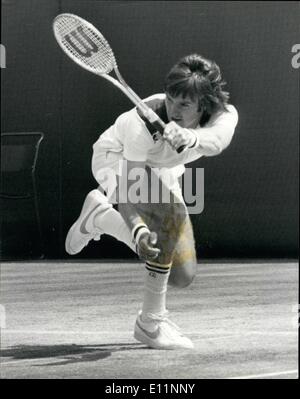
85	41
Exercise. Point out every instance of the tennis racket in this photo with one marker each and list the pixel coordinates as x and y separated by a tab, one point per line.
86	46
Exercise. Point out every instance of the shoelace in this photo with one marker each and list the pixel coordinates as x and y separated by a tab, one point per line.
163	317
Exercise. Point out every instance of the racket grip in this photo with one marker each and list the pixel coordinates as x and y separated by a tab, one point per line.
159	125
180	149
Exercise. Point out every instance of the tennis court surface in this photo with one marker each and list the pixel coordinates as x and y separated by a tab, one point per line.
75	320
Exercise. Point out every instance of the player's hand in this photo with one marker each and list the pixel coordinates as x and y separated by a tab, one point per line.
146	248
178	136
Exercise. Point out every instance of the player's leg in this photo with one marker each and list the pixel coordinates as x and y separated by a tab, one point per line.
184	259
184	263
153	326
98	215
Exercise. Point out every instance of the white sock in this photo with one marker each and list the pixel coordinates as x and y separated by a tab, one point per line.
156	282
112	223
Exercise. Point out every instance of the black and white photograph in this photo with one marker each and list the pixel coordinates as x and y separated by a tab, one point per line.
149	193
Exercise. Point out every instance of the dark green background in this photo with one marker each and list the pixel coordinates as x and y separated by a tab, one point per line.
251	190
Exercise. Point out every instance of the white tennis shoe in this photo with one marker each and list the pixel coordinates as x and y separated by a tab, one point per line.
83	230
159	332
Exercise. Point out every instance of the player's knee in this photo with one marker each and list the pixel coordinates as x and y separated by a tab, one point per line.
182	282
181	279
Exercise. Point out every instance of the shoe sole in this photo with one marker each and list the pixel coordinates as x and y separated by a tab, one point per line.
68	248
140	336
68	240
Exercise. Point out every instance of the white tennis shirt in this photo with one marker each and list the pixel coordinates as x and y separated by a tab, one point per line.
129	136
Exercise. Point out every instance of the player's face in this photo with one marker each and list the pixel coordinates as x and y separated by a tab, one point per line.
183	111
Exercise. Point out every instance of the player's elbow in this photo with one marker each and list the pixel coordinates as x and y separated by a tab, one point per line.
218	147
215	148
220	144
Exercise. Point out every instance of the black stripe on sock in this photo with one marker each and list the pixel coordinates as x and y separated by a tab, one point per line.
158	267
157	271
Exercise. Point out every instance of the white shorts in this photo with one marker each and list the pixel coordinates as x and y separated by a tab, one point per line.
108	165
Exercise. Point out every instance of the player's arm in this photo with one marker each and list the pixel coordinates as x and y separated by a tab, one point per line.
213	140
145	239
216	136
209	140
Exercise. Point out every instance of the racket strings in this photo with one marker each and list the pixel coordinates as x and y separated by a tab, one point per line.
85	44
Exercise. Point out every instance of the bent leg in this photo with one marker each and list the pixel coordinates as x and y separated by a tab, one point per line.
184	264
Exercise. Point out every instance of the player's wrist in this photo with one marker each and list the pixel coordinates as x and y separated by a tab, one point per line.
193	140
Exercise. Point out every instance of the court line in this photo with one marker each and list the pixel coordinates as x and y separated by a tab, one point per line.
57	332
108	334
80	332
263	375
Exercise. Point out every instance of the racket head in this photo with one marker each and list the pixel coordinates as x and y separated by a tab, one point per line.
83	43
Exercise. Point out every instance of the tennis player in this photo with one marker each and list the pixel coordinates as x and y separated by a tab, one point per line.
197	114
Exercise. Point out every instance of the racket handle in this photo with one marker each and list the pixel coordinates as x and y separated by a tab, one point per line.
160	125
180	149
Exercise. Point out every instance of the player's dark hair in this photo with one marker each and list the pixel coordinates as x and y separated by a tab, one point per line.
200	79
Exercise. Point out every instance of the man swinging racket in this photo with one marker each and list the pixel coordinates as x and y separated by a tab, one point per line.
199	119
